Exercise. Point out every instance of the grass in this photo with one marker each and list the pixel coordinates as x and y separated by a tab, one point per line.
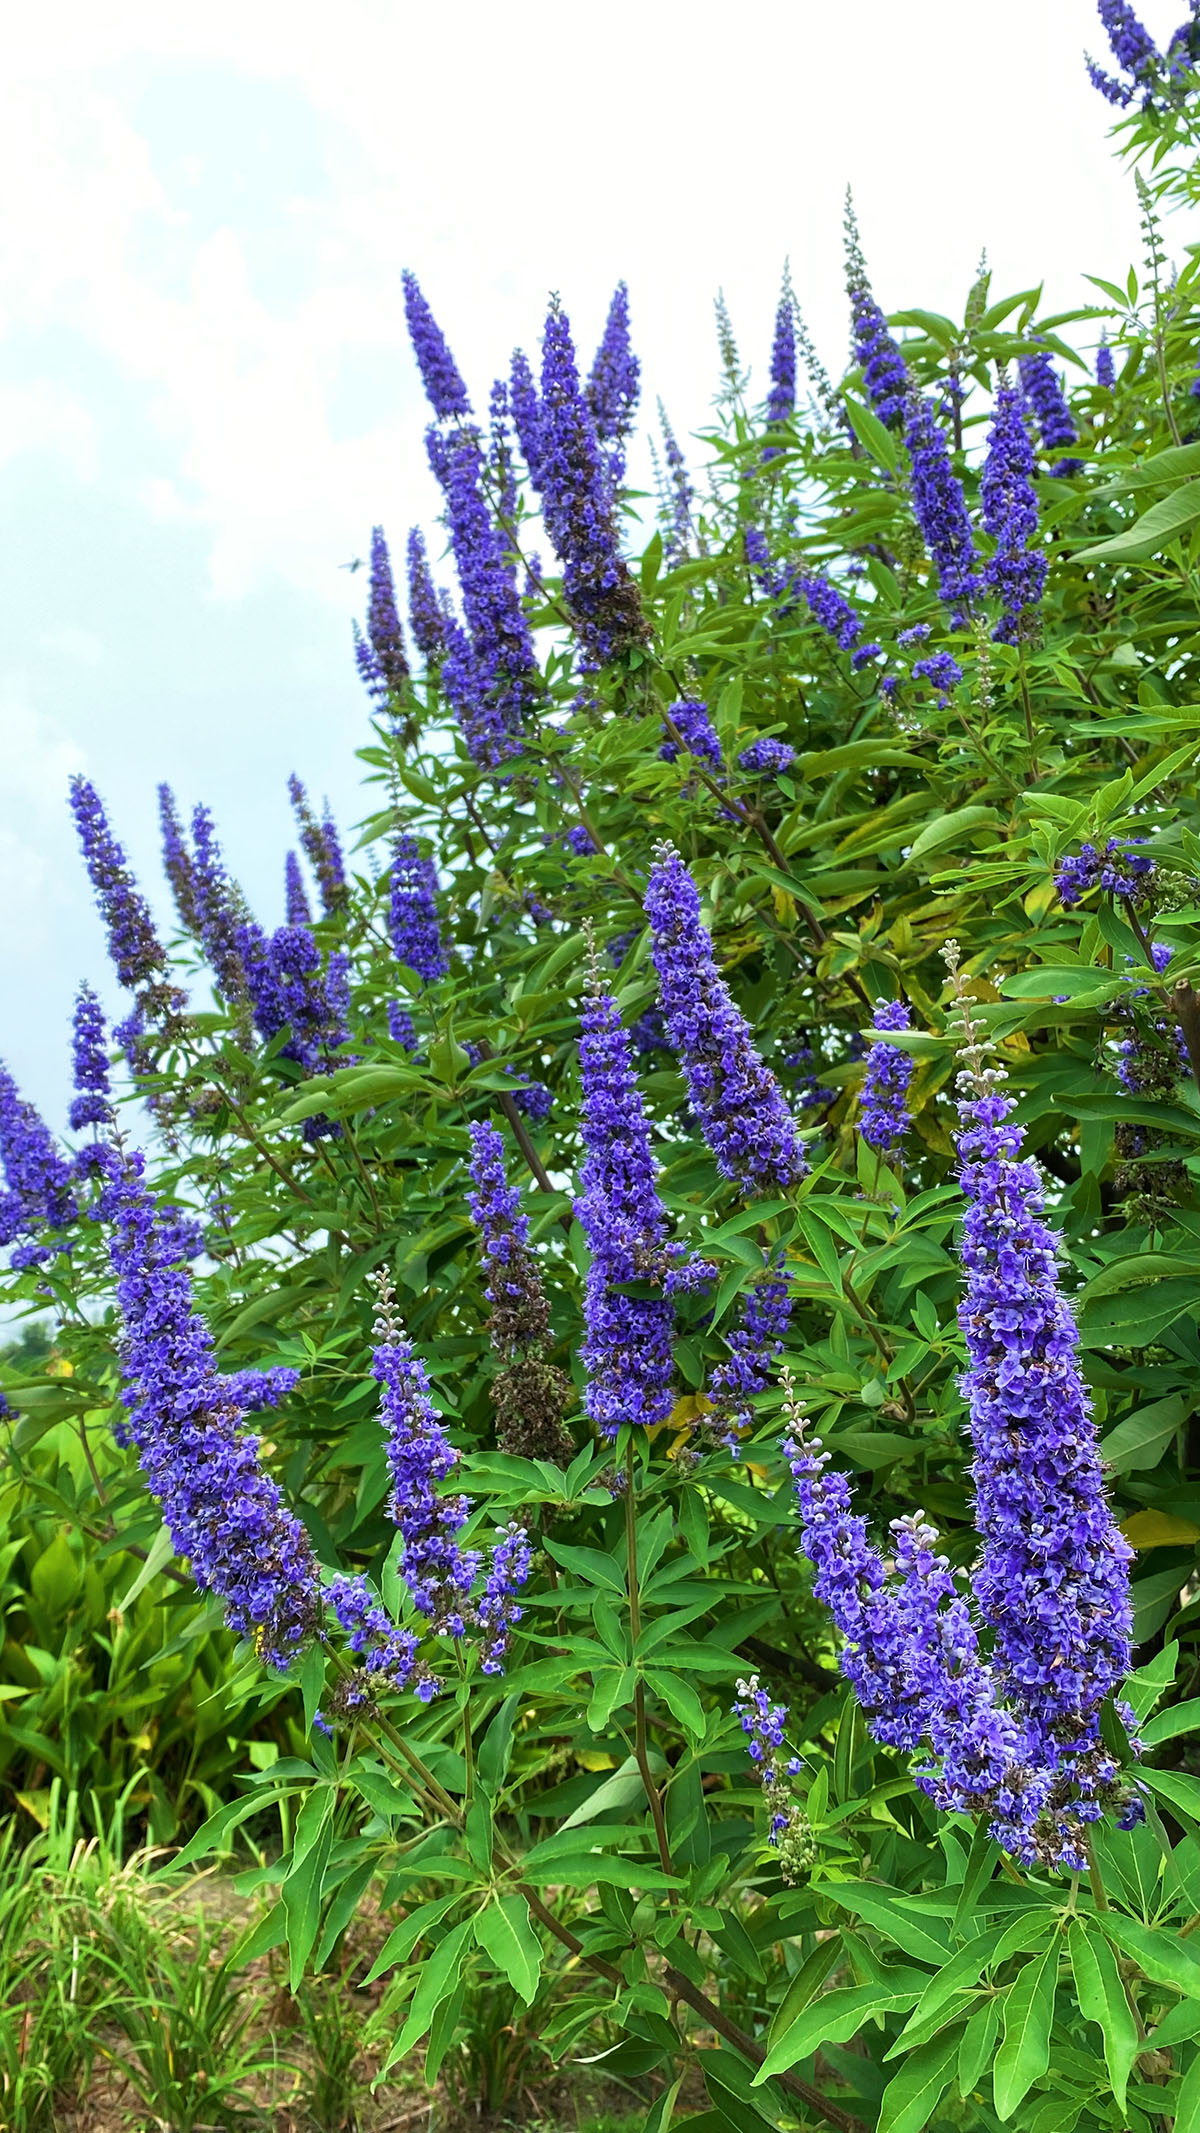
120	2008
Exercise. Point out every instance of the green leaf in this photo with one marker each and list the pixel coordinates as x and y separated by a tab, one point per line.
504	1932
436	1981
961	825
978	2043
806	1984
302	1890
579	1869
403	1938
914	1935
662	2110
1178	1718
1024	2054
1102	1999
1187	2103
914	2092
874	437
1164	522
621	1789
834	2017
1162	1957
160	1552
496	1747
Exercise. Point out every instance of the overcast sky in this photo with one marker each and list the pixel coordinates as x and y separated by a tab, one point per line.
206	392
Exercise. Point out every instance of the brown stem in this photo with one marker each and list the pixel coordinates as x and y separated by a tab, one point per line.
700	2003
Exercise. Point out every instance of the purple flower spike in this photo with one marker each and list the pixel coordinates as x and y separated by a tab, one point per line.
444	388
177	861
37	1177
698	732
133	944
321	846
298	908
577	507
885	377
220	912
91	1106
767	758
504	682
676	495
222	1509
1042	388
1120	870
526	414
616	378
425	612
741	1108
884	1120
1016	571
781	399
757	1337
1106	369
380	655
412	911
941	509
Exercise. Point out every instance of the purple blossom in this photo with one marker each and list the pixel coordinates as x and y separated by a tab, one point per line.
941	509
1053	1578
942	670
577	508
380	655
1134	50
91	1105
287	993
504	670
1079	873
439	1574
412	911
698	733
781	398
297	906
177	860
579	841
401	1027
1016	571
531	1097
444	388
831	609
740	1106
615	383
497	1609
133	944
252	1390
37	1177
220	911
321	846
425	613
1106	369
526	414
501	474
627	1345
764	1724
885	377
221	1507
883	1119
764	1314
767	758
676	496
1042	388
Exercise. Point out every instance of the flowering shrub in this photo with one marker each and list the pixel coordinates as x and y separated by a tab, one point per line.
729	1509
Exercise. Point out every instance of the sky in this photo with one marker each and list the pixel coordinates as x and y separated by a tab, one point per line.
206	393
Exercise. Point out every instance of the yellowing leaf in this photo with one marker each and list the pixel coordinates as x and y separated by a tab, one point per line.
1039	900
785	906
1158	1529
59	1366
592	1759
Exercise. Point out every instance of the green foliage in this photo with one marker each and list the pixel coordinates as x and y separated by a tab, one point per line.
577	1852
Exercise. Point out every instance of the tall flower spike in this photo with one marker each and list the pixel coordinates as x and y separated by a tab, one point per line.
136	951
1042	387
444	388
220	1506
297	906
742	1110
616	376
1016	571
678	496
177	861
758	1335
91	1105
1053	1577
412	911
526	414
37	1177
1134	50
941	509
530	1395
1106	369
627	1346
439	1574
321	846
885	376
425	612
781	398
578	511
220	911
506	676
883	1120
380	656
